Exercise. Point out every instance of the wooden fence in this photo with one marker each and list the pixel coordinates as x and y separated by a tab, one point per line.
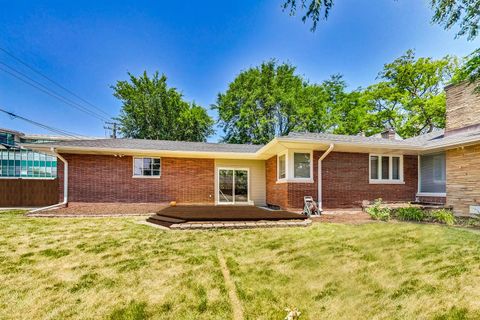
28	192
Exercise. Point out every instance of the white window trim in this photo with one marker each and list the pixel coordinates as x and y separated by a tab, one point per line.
290	168
217	191
142	176
431	194
285	153
389	180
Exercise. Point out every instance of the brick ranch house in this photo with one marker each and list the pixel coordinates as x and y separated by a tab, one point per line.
339	171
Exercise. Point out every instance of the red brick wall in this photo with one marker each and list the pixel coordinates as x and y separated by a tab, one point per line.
277	193
104	178
345	183
289	194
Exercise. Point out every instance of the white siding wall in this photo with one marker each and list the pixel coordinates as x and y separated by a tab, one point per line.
256	178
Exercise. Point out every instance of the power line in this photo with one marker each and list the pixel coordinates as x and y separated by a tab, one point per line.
48	91
53	81
113	127
44	126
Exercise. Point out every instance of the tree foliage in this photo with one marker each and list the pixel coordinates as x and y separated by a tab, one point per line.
152	110
313	10
271	100
261	103
470	70
448	13
466	13
410	98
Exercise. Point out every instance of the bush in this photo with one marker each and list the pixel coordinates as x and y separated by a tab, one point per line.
443	216
410	214
376	211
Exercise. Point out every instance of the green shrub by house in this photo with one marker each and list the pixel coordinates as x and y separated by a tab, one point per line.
410	214
377	212
443	216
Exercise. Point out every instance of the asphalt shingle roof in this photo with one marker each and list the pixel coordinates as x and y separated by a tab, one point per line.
429	140
165	145
343	138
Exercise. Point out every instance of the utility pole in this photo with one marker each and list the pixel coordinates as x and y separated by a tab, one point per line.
113	127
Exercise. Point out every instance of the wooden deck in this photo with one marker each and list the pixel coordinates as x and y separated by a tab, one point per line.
189	214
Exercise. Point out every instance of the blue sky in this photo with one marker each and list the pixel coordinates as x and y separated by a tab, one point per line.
200	45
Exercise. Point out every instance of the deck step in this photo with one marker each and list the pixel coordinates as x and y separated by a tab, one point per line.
164	221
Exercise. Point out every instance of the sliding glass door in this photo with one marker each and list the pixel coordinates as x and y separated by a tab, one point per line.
232	186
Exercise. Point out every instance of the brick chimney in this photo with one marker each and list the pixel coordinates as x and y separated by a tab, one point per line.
463	108
389	134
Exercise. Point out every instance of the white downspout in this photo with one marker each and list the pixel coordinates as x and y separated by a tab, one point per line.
319	176
65	184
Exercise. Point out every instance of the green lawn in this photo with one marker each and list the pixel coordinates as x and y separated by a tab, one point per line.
116	268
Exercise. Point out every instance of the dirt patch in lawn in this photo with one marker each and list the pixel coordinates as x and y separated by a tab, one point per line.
81	208
343	216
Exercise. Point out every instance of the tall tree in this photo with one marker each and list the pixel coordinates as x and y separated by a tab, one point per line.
271	100
328	107
261	103
470	70
410	98
448	13
152	110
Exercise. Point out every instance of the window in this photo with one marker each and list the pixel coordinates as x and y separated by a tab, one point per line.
439	168
7	138
374	167
301	165
282	167
146	167
21	164
386	169
432	174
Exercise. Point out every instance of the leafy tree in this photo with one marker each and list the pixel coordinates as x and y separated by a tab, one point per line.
152	110
314	9
410	98
261	103
329	107
353	115
271	100
469	71
320	102
464	12
448	13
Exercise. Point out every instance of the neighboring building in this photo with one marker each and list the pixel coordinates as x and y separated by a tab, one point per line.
337	170
27	177
23	163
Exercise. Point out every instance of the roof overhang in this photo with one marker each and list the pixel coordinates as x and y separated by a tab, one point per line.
269	150
141	152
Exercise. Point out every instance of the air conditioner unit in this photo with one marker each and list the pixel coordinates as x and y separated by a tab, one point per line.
475	209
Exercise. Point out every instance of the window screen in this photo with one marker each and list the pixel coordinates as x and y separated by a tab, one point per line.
374	167
281	167
301	165
395	168
432	173
146	167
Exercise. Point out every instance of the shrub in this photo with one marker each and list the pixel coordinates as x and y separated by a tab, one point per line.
377	212
410	214
443	216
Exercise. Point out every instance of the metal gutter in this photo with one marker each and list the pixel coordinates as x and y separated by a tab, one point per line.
319	176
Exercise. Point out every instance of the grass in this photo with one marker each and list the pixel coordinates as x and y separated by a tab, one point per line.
114	268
